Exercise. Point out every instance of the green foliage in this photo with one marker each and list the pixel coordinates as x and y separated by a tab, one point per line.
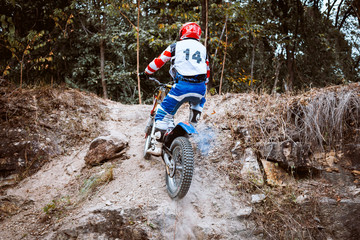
57	207
291	42
90	184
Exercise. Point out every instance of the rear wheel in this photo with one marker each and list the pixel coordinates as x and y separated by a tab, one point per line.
179	173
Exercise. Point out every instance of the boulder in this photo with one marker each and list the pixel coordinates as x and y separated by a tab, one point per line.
11	205
105	148
287	153
275	175
338	167
105	223
250	167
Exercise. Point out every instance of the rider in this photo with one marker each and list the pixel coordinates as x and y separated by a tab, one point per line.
190	71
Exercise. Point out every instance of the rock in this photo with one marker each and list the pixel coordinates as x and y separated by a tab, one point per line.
289	154
338	167
354	190
340	217
9	180
244	212
302	199
106	148
275	175
22	158
104	224
352	155
251	169
256	198
11	205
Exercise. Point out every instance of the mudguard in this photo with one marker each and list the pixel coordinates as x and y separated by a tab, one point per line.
181	129
187	127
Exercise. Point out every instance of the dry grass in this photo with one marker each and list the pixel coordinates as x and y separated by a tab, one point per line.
323	119
279	216
327	119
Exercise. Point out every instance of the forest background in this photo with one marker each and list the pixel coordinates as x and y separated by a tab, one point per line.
258	45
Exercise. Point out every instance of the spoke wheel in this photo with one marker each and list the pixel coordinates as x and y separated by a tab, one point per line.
179	173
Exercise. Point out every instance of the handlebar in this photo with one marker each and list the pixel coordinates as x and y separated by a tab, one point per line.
155	80
167	85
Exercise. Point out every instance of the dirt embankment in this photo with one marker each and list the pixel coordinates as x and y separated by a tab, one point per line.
123	198
251	180
39	124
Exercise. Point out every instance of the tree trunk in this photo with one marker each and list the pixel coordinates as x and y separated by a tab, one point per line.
102	20
290	69
221	35
203	14
216	51
102	63
138	50
21	74
277	71
206	21
252	62
204	28
223	65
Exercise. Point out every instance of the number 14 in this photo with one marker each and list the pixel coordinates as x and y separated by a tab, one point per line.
196	56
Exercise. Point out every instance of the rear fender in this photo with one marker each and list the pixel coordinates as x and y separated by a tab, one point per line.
184	129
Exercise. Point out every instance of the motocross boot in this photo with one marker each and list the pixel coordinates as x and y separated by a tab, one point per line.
156	149
194	117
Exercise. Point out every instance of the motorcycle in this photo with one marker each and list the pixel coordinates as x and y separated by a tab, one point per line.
177	151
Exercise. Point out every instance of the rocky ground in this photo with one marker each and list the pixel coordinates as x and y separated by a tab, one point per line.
250	181
55	203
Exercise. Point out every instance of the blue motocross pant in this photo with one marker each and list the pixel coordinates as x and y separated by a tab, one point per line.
181	92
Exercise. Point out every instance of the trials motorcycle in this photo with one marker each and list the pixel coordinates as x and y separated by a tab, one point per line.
177	151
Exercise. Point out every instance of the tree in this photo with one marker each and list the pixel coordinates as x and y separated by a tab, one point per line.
28	41
277	45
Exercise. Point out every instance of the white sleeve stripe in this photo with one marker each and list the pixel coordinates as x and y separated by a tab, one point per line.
153	66
148	71
164	58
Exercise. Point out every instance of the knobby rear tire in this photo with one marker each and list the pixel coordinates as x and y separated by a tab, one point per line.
183	155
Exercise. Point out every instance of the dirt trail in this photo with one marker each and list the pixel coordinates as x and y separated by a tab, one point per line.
210	210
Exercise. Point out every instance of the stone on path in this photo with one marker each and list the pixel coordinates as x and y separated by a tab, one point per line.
105	148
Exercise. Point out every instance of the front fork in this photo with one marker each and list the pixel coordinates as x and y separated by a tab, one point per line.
149	126
150	130
166	155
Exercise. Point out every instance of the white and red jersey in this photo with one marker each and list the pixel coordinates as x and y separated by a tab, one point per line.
188	57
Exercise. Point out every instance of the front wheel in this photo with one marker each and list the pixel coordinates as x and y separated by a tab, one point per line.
179	173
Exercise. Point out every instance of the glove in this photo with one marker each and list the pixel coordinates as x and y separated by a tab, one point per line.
143	76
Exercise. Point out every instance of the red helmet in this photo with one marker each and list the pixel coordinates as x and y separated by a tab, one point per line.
190	30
